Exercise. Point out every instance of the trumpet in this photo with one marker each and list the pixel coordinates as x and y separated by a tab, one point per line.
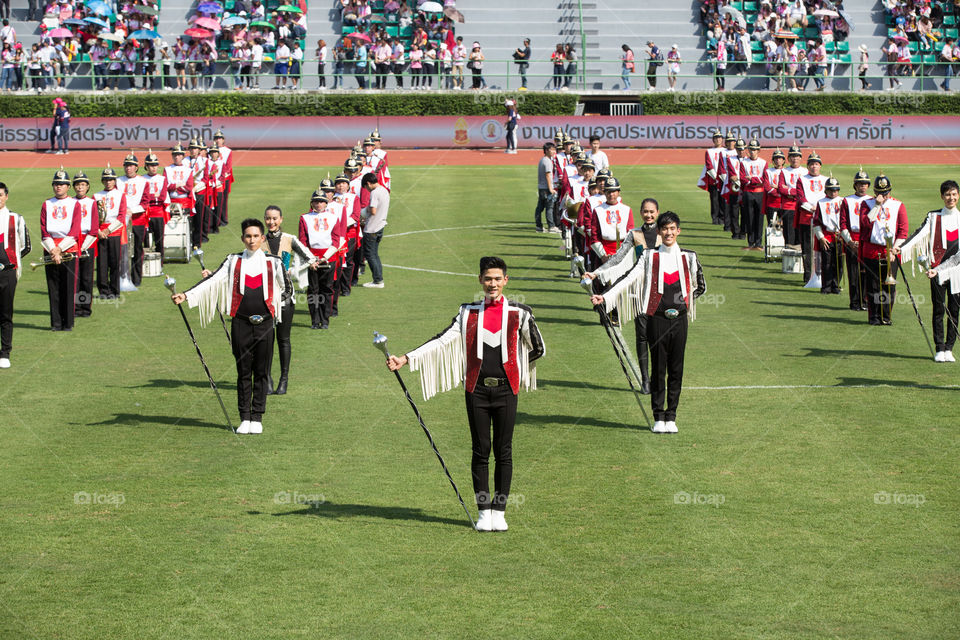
890	280
66	257
101	211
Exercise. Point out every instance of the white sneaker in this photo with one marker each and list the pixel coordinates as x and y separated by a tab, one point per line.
939	357
660	427
373	285
670	427
947	357
256	426
4	363
485	520
244	427
499	521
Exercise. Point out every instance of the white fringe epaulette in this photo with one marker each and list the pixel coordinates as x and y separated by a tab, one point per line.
619	263
625	294
951	275
441	361
210	295
921	244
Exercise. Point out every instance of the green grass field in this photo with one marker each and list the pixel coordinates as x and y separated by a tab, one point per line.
829	511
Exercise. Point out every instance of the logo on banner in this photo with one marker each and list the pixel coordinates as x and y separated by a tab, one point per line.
460	136
491	131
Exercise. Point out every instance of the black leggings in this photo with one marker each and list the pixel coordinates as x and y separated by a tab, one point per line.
499	406
283	338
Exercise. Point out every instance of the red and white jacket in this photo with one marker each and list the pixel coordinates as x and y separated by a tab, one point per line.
752	173
810	189
731	181
876	222
771	187
712	174
115	205
455	355
789	180
607	223
320	232
156	197
640	290
89	223
225	287
180	185
850	217
826	219
938	238
133	189
13	238
60	224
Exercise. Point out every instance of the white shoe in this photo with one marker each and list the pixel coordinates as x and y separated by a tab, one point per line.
660	427
499	521
939	357
4	363
554	229
373	285
947	357
485	520
256	426
670	427
244	427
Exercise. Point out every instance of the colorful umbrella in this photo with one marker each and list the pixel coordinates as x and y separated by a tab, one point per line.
263	23
233	21
144	34
900	39
196	32
826	13
785	35
59	32
112	37
98	22
453	14
75	23
359	35
431	7
289	8
100	8
210	7
207	23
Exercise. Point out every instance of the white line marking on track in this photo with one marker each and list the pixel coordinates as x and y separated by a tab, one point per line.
476	226
824	386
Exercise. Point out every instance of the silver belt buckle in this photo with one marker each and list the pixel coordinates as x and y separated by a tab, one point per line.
491	382
255	320
671	313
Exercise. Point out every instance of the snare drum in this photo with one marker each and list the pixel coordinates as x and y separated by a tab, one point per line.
176	239
792	261
151	264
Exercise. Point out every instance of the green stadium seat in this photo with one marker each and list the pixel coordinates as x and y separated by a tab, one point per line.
406	31
750	7
891	33
797	31
949	21
812	32
842	47
829	46
758	58
950	33
228	5
347	30
916	58
913	46
948	8
930	60
843	59
393	31
755	46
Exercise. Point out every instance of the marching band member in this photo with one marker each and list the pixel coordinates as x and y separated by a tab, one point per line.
353	252
336	207
249	287
491	347
809	192
378	151
711	177
644	238
59	235
215	188
89	226
731	187
197	162
789	180
319	229
374	163
155	200
133	186
663	284
753	169
771	189
850	233
112	232
883	225
937	241
296	259
609	222
226	177
826	230
179	177
578	189
14	246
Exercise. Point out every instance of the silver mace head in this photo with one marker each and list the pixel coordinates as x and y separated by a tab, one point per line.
587	285
578	263
198	254
380	342
170	283
924	262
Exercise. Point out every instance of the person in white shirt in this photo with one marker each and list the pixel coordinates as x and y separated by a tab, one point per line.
598	157
321	63
281	65
296	61
256	56
459	60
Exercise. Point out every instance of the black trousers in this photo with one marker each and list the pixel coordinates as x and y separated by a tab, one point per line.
855	278
196	233
806	246
108	266
831	267
8	289
357	253
61	290
879	296
345	283
716	211
201	212
753	212
253	350
335	290
789	233
668	341
136	267
944	303
283	338
643	351
496	406
156	230
398	74
731	214
320	294
85	288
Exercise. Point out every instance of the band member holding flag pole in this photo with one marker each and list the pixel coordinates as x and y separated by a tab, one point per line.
491	347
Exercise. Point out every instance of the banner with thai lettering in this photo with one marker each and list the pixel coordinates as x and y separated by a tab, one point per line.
448	132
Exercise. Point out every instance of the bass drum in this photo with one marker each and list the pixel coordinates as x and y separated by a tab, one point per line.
176	240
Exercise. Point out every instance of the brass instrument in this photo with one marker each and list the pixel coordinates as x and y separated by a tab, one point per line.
66	257
891	263
101	211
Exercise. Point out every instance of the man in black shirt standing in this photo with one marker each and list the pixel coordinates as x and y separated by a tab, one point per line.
522	57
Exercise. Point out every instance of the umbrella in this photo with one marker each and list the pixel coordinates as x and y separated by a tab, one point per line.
431	7
76	23
359	35
112	37
377	18
453	14
233	21
100	8
289	8
900	39
144	10
196	32
826	13
210	7
785	35
144	34
735	14
59	32
98	22
263	23
208	23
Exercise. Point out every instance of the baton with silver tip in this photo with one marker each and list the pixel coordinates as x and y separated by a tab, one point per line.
198	254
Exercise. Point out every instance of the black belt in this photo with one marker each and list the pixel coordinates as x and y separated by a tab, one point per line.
493	382
671	314
254	319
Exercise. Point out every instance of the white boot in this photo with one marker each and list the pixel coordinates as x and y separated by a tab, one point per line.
4	363
485	520
948	356
670	427
256	426
660	427
499	521
244	427
939	357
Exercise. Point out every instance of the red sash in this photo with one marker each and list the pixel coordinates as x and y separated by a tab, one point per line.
938	249
11	243
237	296
511	366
